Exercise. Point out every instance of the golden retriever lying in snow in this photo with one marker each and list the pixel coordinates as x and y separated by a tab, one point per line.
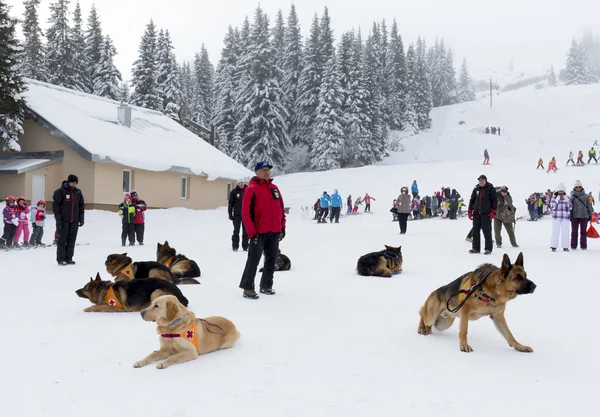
182	336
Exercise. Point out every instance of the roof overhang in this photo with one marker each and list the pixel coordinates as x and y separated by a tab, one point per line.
21	162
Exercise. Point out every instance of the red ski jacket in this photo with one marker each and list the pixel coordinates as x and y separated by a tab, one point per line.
262	208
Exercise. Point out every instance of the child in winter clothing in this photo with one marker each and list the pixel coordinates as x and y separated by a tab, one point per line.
540	164
349	204
11	221
23	227
367	199
570	158
127	214
357	203
552	165
414	207
580	158
561	209
140	221
38	217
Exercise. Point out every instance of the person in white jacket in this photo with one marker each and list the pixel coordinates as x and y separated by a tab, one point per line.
561	209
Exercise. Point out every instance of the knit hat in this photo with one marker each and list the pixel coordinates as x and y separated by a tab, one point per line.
561	187
127	197
578	184
73	178
261	165
133	193
482	177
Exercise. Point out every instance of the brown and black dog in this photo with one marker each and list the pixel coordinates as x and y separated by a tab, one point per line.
184	270
282	263
384	263
123	268
127	295
483	292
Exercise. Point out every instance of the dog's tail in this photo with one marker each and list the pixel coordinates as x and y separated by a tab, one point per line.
181	297
185	281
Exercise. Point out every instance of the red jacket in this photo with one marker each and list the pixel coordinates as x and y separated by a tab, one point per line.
262	208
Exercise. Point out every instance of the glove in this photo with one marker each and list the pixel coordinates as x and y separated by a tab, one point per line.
493	214
131	210
230	217
15	221
282	234
43	216
254	239
80	223
470	214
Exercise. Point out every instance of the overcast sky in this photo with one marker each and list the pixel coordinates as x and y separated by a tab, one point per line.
490	33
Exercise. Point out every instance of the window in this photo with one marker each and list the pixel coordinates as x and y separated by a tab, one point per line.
184	188
229	188
126	181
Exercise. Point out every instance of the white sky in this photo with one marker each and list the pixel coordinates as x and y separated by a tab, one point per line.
490	33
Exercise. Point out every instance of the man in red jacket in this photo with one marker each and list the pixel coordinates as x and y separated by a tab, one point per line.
264	218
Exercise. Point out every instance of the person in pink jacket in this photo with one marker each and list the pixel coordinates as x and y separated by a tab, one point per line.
367	201
23	227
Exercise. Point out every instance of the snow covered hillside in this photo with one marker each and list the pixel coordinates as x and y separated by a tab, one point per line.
331	343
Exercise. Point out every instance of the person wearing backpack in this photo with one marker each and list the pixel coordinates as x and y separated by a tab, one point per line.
581	214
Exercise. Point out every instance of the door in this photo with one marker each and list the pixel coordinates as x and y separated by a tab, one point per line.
38	189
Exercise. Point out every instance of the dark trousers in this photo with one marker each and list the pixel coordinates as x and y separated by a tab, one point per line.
323	214
452	213
36	235
67	236
128	231
470	234
9	235
235	238
540	165
594	158
368	207
267	243
571	161
335	214
139	229
579	227
403	220
482	223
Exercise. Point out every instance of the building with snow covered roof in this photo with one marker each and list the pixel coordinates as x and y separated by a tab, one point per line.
113	148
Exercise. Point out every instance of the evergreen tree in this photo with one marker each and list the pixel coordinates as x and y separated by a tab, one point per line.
396	81
33	57
187	86
203	73
146	93
413	86
590	47
423	103
242	70
124	93
552	77
59	55
465	91
325	47
94	42
107	76
168	76
328	135
279	46
576	72
11	83
262	125
292	66
80	63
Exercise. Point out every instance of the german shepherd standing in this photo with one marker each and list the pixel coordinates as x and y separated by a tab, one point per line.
123	268
124	296
483	292
384	263
182	268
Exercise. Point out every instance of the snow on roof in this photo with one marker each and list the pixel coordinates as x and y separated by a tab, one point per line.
154	142
21	165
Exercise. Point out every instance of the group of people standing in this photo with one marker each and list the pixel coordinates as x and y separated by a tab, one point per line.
574	209
131	211
493	130
16	217
331	206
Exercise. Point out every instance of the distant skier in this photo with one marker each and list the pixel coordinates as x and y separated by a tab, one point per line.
498	130
540	164
414	189
580	159
349	204
367	199
592	155
570	158
487	130
493	130
486	157
325	201
336	207
552	165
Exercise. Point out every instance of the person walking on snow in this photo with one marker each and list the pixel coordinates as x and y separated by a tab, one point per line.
486	157
139	224
540	164
367	199
336	207
263	215
505	217
414	189
581	214
592	155
38	217
561	207
482	210
349	204
11	221
325	202
127	215
234	208
69	211
23	227
570	158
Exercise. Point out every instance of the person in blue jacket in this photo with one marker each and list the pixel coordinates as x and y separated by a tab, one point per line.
414	189
325	203
336	206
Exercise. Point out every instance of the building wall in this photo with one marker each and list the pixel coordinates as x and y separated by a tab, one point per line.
54	178
12	185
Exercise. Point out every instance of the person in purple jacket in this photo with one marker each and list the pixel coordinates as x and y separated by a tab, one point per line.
11	221
561	210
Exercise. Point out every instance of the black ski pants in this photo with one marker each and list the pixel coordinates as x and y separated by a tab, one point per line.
323	215
452	214
139	229
403	220
36	235
482	223
335	214
128	231
67	236
594	158
9	234
235	238
267	243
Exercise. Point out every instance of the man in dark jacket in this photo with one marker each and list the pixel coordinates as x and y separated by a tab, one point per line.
482	209
453	200
235	215
69	211
264	217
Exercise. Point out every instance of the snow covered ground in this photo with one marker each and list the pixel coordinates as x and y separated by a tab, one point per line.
331	343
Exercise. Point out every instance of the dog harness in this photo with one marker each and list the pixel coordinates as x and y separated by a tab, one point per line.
169	261
190	334
112	300
127	271
464	293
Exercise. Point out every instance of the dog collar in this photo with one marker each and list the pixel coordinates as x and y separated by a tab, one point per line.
190	334
112	300
169	261
483	297
174	322
127	271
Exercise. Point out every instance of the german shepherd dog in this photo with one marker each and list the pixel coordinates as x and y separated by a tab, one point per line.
182	268
483	292
127	295
282	263
384	263
123	268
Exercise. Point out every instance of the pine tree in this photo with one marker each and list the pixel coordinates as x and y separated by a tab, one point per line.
124	92
325	47
465	91
146	93
262	125
413	86
396	81
329	134
93	45
168	76
187	86
292	67
576	66
552	77
107	76
33	57
80	63
242	70
204	74
11	83
279	46
59	55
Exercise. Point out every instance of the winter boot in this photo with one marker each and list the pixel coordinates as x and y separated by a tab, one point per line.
473	251
251	294
268	291
487	252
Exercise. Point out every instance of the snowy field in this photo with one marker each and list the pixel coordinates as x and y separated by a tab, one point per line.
331	343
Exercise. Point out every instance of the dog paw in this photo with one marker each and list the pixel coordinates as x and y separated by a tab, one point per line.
162	365
523	348
139	364
466	348
424	330
88	310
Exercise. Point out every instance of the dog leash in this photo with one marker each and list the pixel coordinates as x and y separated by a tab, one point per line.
206	322
469	292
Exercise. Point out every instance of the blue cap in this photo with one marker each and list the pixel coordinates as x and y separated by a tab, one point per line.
261	165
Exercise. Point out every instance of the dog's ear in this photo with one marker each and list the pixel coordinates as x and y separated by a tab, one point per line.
399	248
166	243
172	310
505	264
124	254
388	247
91	279
98	276
158	246
519	260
